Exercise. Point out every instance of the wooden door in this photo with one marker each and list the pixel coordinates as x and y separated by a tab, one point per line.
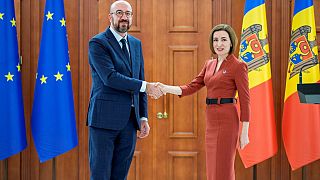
181	48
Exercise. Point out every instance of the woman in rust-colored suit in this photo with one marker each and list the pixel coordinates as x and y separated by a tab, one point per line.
222	77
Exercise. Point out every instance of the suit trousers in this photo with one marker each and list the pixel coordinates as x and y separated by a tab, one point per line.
111	151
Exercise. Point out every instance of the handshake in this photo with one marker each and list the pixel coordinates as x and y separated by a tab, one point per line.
156	90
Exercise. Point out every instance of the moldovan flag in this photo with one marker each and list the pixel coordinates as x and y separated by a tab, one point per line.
53	119
301	122
12	125
254	50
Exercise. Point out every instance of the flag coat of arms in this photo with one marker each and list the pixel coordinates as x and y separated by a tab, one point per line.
301	122
12	123
53	117
254	50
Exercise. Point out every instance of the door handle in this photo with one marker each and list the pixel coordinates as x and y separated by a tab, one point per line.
159	115
163	115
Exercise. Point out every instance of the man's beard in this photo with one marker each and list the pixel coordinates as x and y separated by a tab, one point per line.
122	28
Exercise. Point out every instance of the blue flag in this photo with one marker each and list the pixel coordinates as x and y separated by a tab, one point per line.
53	118
12	124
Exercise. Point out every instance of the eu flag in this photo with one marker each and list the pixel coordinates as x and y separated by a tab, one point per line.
53	117
12	125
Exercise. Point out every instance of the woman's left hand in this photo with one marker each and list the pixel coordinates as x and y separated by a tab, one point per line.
244	140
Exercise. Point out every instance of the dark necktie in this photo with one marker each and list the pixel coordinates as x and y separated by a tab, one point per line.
126	53
124	49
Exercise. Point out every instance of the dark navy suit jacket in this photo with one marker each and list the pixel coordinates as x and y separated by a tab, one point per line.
115	83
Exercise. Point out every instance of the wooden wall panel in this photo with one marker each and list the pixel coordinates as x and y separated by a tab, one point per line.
88	27
284	48
3	170
221	11
25	52
183	16
135	168
274	30
181	162
183	124
136	21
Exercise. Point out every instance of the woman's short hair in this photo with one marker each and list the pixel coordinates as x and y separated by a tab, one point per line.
230	31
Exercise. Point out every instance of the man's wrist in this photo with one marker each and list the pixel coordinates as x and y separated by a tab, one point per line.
143	86
144	119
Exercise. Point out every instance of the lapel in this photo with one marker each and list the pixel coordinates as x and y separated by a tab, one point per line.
214	66
133	54
227	63
212	69
115	45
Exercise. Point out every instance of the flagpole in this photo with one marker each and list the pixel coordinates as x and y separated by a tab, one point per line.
5	163
54	169
255	172
304	173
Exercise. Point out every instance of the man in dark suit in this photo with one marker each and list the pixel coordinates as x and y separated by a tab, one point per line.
118	100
